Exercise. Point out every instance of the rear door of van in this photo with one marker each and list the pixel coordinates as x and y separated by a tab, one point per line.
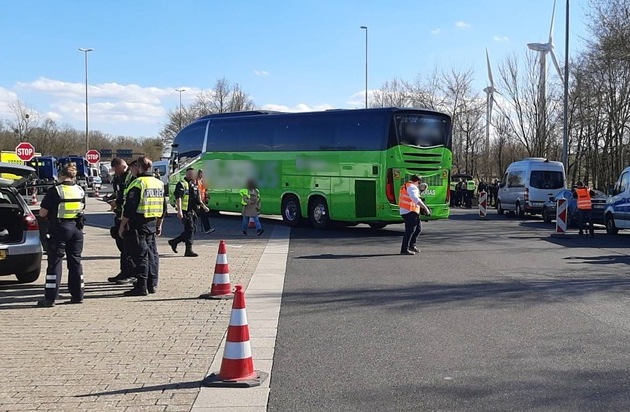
621	201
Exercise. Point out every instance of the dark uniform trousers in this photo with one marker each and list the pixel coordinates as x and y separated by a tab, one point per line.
146	260
413	227
65	239
190	227
126	262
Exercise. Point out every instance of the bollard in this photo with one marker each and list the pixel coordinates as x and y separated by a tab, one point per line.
561	218
483	205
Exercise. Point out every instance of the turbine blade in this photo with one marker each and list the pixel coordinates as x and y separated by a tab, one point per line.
553	14
555	63
489	70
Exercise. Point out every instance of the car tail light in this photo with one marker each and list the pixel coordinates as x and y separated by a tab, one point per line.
31	222
389	187
526	196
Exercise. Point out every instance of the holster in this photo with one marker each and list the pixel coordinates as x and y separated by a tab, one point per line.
81	221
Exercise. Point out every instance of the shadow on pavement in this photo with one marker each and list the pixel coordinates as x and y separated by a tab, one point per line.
600	260
154	388
331	256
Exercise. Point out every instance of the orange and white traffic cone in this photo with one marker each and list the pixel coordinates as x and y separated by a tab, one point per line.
34	200
237	365
96	194
251	224
221	286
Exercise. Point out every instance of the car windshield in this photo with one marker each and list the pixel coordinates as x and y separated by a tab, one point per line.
545	179
422	130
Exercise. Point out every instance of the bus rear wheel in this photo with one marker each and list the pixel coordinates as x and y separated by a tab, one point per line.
291	213
318	213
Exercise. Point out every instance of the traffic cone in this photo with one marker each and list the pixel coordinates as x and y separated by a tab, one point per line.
251	224
34	201
237	365
96	194
221	286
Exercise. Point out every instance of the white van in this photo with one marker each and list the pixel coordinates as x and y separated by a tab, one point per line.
528	184
162	167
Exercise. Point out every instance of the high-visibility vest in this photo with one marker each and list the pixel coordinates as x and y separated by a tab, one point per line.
405	202
72	201
151	202
186	196
128	179
245	194
584	199
202	190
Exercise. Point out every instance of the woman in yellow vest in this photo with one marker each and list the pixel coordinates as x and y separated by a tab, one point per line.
410	205
63	206
584	208
250	199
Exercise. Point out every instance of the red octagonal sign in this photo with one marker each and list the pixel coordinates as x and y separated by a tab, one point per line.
25	151
93	156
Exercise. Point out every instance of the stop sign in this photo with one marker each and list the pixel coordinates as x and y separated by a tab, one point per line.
93	156
25	151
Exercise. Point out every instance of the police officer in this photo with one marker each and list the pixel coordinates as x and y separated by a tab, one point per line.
63	206
188	202
410	205
142	216
122	180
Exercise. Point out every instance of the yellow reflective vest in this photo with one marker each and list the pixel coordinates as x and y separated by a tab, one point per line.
151	202
72	201
245	195
186	196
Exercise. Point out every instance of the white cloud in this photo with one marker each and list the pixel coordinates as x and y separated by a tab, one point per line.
357	100
462	25
6	97
436	31
261	73
300	107
501	38
53	116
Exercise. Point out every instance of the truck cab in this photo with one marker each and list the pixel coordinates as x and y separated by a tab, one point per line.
83	169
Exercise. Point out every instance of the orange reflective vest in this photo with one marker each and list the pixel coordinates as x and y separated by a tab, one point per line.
584	199
405	202
202	190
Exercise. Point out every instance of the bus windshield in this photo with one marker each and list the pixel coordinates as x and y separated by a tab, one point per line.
422	130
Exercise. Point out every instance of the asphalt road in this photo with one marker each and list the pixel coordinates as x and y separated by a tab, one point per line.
492	315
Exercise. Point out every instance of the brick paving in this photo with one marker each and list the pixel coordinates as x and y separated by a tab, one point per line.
114	352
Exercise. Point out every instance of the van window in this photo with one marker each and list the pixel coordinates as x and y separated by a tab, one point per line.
515	179
546	179
624	182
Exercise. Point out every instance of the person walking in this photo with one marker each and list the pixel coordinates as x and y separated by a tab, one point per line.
122	179
143	213
250	199
188	202
63	206
410	206
584	208
203	215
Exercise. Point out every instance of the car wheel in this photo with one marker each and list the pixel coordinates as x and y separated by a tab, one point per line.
611	229
378	225
318	213
546	216
28	277
499	208
519	211
291	213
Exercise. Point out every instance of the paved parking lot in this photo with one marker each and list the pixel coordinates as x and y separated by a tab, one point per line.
114	352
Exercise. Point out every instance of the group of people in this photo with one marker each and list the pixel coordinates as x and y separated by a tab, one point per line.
139	208
492	189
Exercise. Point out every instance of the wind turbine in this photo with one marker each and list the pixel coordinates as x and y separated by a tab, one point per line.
489	101
543	49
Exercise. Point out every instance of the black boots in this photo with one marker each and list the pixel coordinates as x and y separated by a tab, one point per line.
189	252
173	244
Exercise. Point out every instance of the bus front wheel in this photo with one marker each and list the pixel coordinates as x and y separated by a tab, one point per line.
318	213
291	214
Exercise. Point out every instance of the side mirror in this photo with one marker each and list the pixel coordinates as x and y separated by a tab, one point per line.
552	198
501	184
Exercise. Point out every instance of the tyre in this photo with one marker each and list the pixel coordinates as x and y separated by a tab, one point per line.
519	211
546	216
377	225
611	229
291	213
318	213
499	208
28	277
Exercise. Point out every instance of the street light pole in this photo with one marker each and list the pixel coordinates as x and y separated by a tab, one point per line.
87	139
366	65
565	128
180	106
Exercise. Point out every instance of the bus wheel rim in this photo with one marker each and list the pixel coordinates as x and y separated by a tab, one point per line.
318	213
290	211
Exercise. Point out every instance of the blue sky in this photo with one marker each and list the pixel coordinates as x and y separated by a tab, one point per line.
288	55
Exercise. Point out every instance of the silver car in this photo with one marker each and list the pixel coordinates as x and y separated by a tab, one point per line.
20	244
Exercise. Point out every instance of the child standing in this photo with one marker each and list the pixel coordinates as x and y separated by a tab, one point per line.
250	199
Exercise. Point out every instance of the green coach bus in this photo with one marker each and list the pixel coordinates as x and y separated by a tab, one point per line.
335	165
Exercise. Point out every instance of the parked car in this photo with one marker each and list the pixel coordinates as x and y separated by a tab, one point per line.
617	210
528	184
598	201
20	245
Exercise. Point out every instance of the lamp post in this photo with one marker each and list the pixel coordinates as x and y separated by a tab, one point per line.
180	106
366	65
565	128
87	139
